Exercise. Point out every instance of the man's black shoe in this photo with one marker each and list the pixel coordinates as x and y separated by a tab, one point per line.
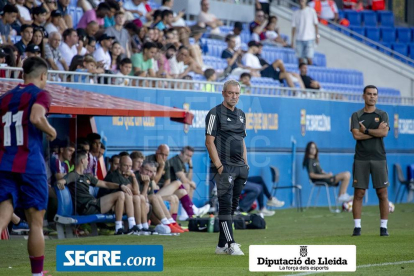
120	231
384	232
357	231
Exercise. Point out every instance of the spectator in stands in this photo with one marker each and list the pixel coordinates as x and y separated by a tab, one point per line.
116	56
233	57
167	187
90	45
275	71
184	59
238	28
166	20
27	35
120	33
39	19
272	36
8	16
138	10
273	20
109	20
137	160
257	27
71	45
52	53
263	5
307	80
125	68
325	9
62	6
305	32
178	20
143	62
78	182
245	80
91	28
33	50
377	5
178	167
38	39
210	75
114	162
97	15
54	24
311	163
208	19
160	212
23	16
102	55
87	64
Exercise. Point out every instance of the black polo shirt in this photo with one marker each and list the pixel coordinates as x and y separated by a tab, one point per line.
114	177
166	174
370	149
150	191
45	33
229	54
229	129
21	47
176	165
307	81
79	188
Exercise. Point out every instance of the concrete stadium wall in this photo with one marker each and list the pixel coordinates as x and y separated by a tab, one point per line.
272	123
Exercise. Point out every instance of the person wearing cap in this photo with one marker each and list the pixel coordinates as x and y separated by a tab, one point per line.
26	31
70	46
275	71
120	33
52	53
97	15
32	50
39	19
24	16
238	28
54	24
102	55
8	16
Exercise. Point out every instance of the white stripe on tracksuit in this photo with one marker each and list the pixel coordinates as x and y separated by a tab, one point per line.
226	231
211	124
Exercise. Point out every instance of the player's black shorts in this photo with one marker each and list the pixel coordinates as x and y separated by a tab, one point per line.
330	181
93	207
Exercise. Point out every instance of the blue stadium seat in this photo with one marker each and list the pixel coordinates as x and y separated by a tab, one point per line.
358	30
354	17
386	18
369	18
411	50
387	45
79	14
226	29
400	48
372	33
341	14
404	35
319	60
388	34
245	37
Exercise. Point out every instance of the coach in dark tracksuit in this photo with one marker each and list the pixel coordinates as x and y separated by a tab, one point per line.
225	132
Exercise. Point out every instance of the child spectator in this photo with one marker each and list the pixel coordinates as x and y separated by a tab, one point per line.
125	67
210	75
245	80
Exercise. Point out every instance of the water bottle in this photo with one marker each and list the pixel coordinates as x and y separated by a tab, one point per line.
210	228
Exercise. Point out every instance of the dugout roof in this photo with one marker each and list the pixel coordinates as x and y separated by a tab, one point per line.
79	102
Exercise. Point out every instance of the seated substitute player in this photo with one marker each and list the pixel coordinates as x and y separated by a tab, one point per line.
137	160
311	163
79	182
114	162
22	167
179	170
135	205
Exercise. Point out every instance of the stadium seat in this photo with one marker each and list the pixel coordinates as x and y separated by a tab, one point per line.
372	33
369	18
386	18
354	17
358	30
400	48
388	34
387	45
79	14
404	35
411	50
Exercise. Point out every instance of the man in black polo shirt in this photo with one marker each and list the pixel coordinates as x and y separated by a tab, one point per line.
179	170
39	19
27	34
84	202
307	80
136	205
225	132
369	126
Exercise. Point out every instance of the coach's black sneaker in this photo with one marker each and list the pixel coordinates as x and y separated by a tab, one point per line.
384	232
357	231
132	231
120	231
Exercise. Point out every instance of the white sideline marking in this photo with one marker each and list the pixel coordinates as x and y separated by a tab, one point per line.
360	266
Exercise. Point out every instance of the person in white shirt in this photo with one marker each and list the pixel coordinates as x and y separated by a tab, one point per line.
52	54
101	54
138	10
275	71
208	19
125	67
24	14
53	25
305	32
71	46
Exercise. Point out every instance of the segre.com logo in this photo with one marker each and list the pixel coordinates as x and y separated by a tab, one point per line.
109	258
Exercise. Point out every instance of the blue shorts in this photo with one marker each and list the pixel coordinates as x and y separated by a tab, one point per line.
25	190
305	48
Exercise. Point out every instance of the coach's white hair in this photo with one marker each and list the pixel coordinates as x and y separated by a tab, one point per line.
230	82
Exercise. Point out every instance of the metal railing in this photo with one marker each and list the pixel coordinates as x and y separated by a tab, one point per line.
61	77
352	34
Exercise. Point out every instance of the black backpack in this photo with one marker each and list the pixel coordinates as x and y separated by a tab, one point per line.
201	224
256	222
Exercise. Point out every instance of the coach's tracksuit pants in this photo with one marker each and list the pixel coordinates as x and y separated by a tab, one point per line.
229	187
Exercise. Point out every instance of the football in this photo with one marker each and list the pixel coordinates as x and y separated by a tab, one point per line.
347	206
392	206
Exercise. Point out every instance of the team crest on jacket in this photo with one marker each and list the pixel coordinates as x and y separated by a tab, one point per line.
230	179
241	119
